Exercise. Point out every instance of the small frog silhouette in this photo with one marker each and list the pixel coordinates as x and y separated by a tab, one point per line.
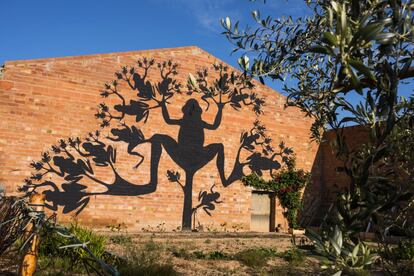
73	170
71	198
258	163
101	156
132	136
207	200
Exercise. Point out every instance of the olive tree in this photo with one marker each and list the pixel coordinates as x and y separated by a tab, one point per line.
343	50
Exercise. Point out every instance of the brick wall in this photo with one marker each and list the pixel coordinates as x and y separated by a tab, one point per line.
327	177
334	179
45	100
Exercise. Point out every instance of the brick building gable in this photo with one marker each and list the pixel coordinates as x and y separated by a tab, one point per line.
45	100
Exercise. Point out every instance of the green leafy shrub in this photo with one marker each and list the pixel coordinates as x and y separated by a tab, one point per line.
339	254
287	184
51	255
51	241
199	254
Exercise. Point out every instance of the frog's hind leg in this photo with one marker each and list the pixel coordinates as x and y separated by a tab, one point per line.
73	206
140	156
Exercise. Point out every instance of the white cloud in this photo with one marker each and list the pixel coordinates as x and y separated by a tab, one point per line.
209	12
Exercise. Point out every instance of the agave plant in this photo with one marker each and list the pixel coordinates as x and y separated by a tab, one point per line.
340	255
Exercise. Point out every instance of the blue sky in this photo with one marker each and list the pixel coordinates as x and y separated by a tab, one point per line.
55	28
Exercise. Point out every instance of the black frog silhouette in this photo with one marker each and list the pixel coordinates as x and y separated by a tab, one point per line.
71	169
208	200
132	136
188	150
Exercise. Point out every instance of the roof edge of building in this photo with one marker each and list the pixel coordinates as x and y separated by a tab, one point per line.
126	53
89	56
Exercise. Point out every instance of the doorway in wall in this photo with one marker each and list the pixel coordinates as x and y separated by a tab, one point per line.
262	212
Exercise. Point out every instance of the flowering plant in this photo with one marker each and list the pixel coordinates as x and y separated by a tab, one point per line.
287	184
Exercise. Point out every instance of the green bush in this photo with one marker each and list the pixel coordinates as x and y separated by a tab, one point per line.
72	258
338	254
287	184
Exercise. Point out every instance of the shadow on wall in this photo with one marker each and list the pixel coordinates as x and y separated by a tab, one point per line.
311	213
329	176
75	160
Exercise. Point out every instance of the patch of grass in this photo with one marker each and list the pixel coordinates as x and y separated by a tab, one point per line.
269	252
182	253
71	259
133	269
58	266
252	257
199	254
145	262
124	240
218	255
213	255
152	246
153	269
292	255
255	257
285	270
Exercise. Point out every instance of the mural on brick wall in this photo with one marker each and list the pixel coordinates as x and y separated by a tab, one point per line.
68	170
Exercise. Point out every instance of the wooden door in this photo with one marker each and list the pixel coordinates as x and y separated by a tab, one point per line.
262	212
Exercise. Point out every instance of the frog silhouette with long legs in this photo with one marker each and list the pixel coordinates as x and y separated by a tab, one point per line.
189	151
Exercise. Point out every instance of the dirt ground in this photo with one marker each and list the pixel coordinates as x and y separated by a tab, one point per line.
207	253
229	244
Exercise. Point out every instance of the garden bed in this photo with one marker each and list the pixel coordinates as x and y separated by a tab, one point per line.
191	253
220	253
197	254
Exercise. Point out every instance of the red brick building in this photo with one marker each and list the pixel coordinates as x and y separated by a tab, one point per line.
328	177
45	100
